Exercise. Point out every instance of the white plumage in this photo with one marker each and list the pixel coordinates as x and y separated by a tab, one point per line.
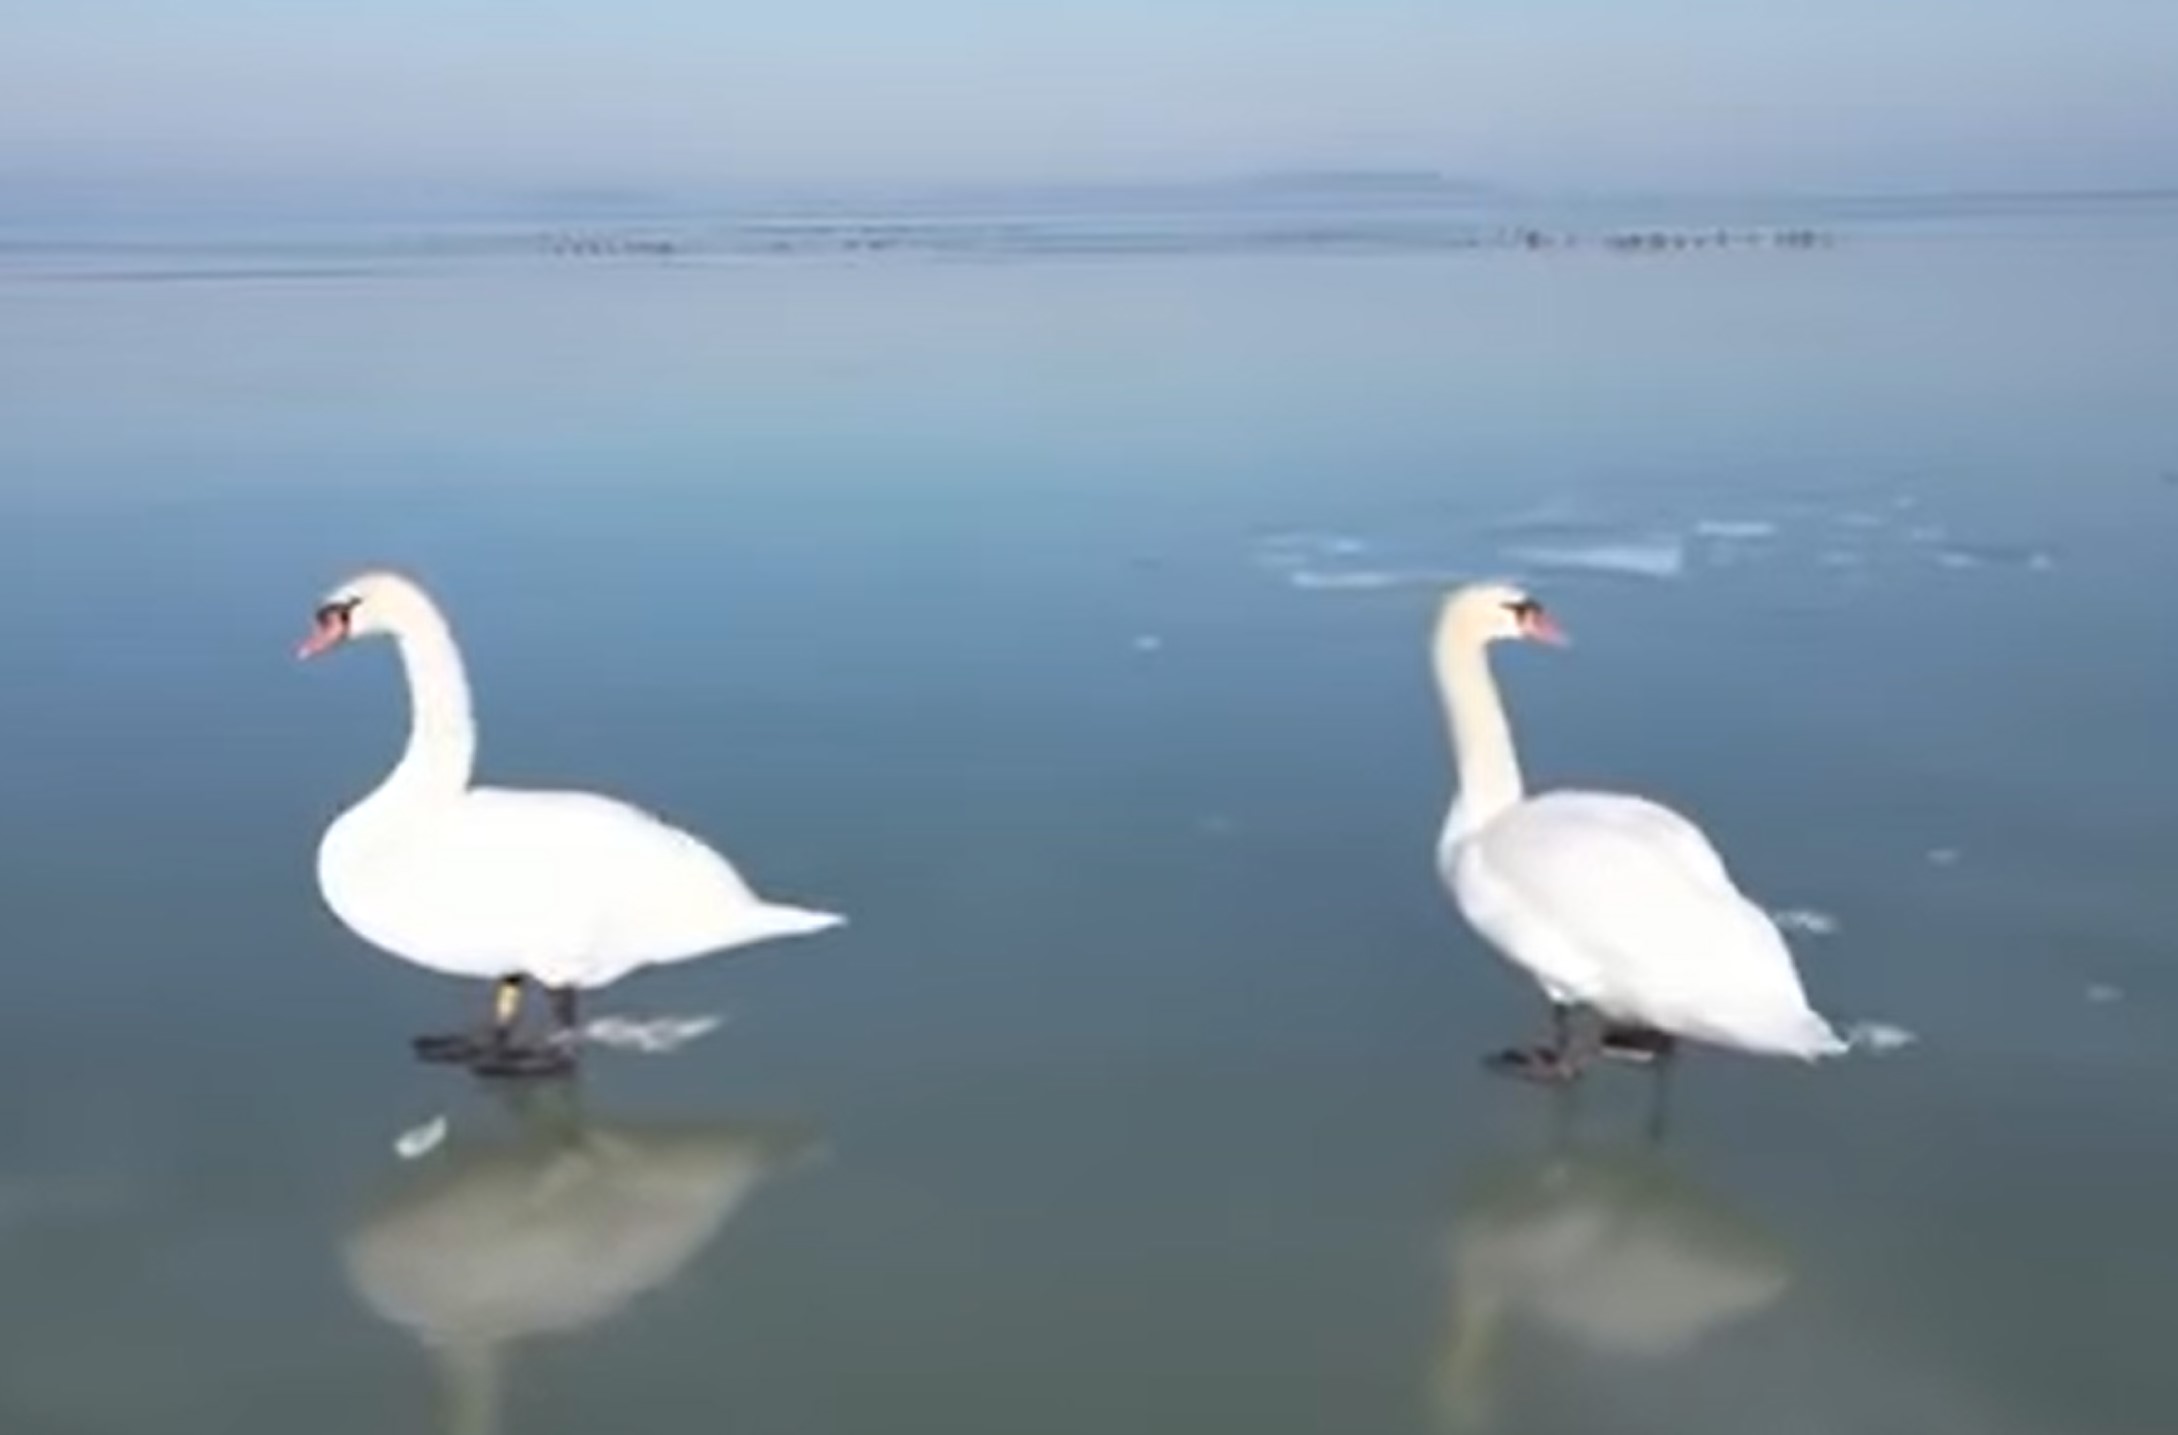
1610	901
565	887
571	889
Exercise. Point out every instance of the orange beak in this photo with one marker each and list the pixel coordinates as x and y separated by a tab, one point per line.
1538	626
331	630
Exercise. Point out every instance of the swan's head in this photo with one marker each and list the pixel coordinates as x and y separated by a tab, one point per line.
1495	613
367	605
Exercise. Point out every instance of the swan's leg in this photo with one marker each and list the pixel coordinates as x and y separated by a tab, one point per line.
462	1047
554	1056
1551	1063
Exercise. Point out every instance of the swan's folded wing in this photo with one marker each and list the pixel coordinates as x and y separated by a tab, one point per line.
526	878
1641	820
1639	888
603	835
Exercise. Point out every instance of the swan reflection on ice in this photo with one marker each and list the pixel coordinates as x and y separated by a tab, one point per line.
557	1228
1617	1254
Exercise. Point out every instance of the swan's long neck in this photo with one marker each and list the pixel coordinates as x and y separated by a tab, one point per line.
441	752
1482	745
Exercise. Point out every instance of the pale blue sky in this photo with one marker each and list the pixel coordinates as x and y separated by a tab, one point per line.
1613	94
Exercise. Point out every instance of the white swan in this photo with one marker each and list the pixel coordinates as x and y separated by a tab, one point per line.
568	889
559	1229
1611	902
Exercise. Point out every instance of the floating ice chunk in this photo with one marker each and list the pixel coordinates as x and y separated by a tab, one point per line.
420	1141
1295	550
1360	580
1628	558
1943	856
1148	643
1878	1037
1805	919
2103	994
652	1037
1995	555
1735	529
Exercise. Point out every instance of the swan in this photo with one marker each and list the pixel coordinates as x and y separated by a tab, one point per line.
555	1230
569	890
1610	901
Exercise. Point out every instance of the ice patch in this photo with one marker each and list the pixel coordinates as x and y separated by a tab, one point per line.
420	1141
1658	558
2103	994
1735	529
1298	550
1805	919
1149	643
652	1037
1878	1037
1995	555
1364	580
1943	856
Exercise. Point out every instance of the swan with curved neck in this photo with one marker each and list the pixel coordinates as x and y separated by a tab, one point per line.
1611	902
569	890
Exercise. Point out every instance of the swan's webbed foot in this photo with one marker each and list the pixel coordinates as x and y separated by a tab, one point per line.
494	1051
468	1048
512	1061
453	1048
1636	1045
1544	1065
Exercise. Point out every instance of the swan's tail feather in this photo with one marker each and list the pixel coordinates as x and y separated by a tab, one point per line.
1803	1035
777	919
1818	1039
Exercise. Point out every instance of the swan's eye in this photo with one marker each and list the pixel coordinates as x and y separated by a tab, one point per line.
1525	609
333	615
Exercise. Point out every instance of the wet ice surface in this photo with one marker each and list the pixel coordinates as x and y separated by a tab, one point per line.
1148	1072
1554	544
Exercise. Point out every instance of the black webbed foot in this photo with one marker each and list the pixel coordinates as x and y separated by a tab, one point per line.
509	1060
453	1048
1544	1065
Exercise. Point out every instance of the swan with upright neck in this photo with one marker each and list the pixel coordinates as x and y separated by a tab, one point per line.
569	890
1611	902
